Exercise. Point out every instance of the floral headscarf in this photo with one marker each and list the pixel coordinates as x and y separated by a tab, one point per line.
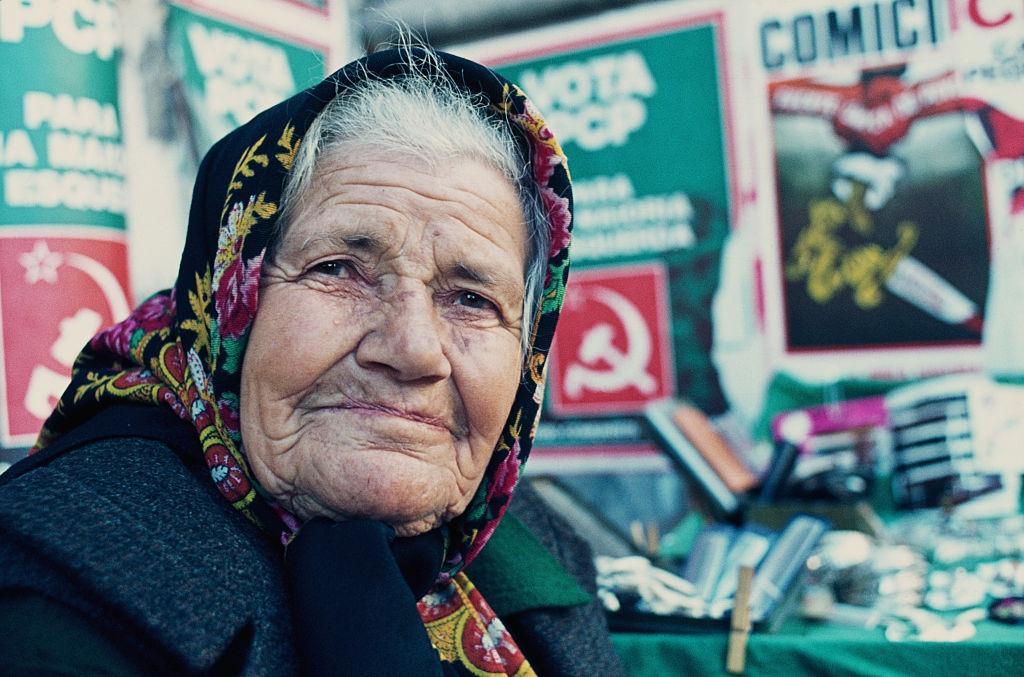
183	348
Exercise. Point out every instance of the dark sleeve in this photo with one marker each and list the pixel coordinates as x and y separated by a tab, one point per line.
39	636
353	612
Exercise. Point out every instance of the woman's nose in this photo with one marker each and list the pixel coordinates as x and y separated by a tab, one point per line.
407	339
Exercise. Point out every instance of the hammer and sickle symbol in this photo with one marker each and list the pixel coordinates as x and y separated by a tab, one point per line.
628	368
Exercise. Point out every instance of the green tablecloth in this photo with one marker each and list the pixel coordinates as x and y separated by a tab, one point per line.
802	648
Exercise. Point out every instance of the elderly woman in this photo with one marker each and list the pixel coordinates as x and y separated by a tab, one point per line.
288	461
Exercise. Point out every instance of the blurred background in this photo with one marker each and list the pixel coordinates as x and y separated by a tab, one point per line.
780	205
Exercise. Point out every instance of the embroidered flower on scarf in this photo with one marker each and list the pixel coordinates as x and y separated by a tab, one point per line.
236	296
168	397
236	282
558	211
226	473
291	522
506	476
504	481
439	598
490	647
122	338
228	406
200	412
172	365
195	368
497	636
131	378
442	601
547	155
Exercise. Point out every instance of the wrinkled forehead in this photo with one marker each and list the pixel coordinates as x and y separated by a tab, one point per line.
381	204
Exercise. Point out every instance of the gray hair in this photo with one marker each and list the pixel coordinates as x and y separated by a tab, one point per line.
427	115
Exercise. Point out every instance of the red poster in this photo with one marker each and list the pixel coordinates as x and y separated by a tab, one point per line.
55	293
613	350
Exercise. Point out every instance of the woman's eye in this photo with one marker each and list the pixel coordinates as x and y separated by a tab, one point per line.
332	268
473	300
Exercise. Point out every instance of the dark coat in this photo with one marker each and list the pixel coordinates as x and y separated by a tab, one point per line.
130	536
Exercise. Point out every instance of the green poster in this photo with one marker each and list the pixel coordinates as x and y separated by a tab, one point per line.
232	72
61	158
642	118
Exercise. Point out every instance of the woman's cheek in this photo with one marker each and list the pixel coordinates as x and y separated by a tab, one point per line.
492	377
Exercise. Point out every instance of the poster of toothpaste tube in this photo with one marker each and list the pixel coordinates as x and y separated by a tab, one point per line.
988	49
877	262
640	102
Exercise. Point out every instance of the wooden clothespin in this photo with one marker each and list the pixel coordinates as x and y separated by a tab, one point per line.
739	628
636	533
646	537
652	540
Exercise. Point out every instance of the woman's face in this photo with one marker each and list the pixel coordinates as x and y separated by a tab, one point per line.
384	357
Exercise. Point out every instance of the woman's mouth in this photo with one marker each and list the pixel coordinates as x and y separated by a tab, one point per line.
373	408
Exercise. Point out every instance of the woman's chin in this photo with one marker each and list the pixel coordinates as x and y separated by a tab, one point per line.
411	502
413	494
405	522
417	527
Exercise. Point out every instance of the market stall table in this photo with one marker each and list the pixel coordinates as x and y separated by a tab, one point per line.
806	648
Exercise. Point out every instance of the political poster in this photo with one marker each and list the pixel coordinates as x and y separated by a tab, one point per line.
59	287
877	257
988	49
640	102
63	253
231	68
192	69
616	317
61	152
